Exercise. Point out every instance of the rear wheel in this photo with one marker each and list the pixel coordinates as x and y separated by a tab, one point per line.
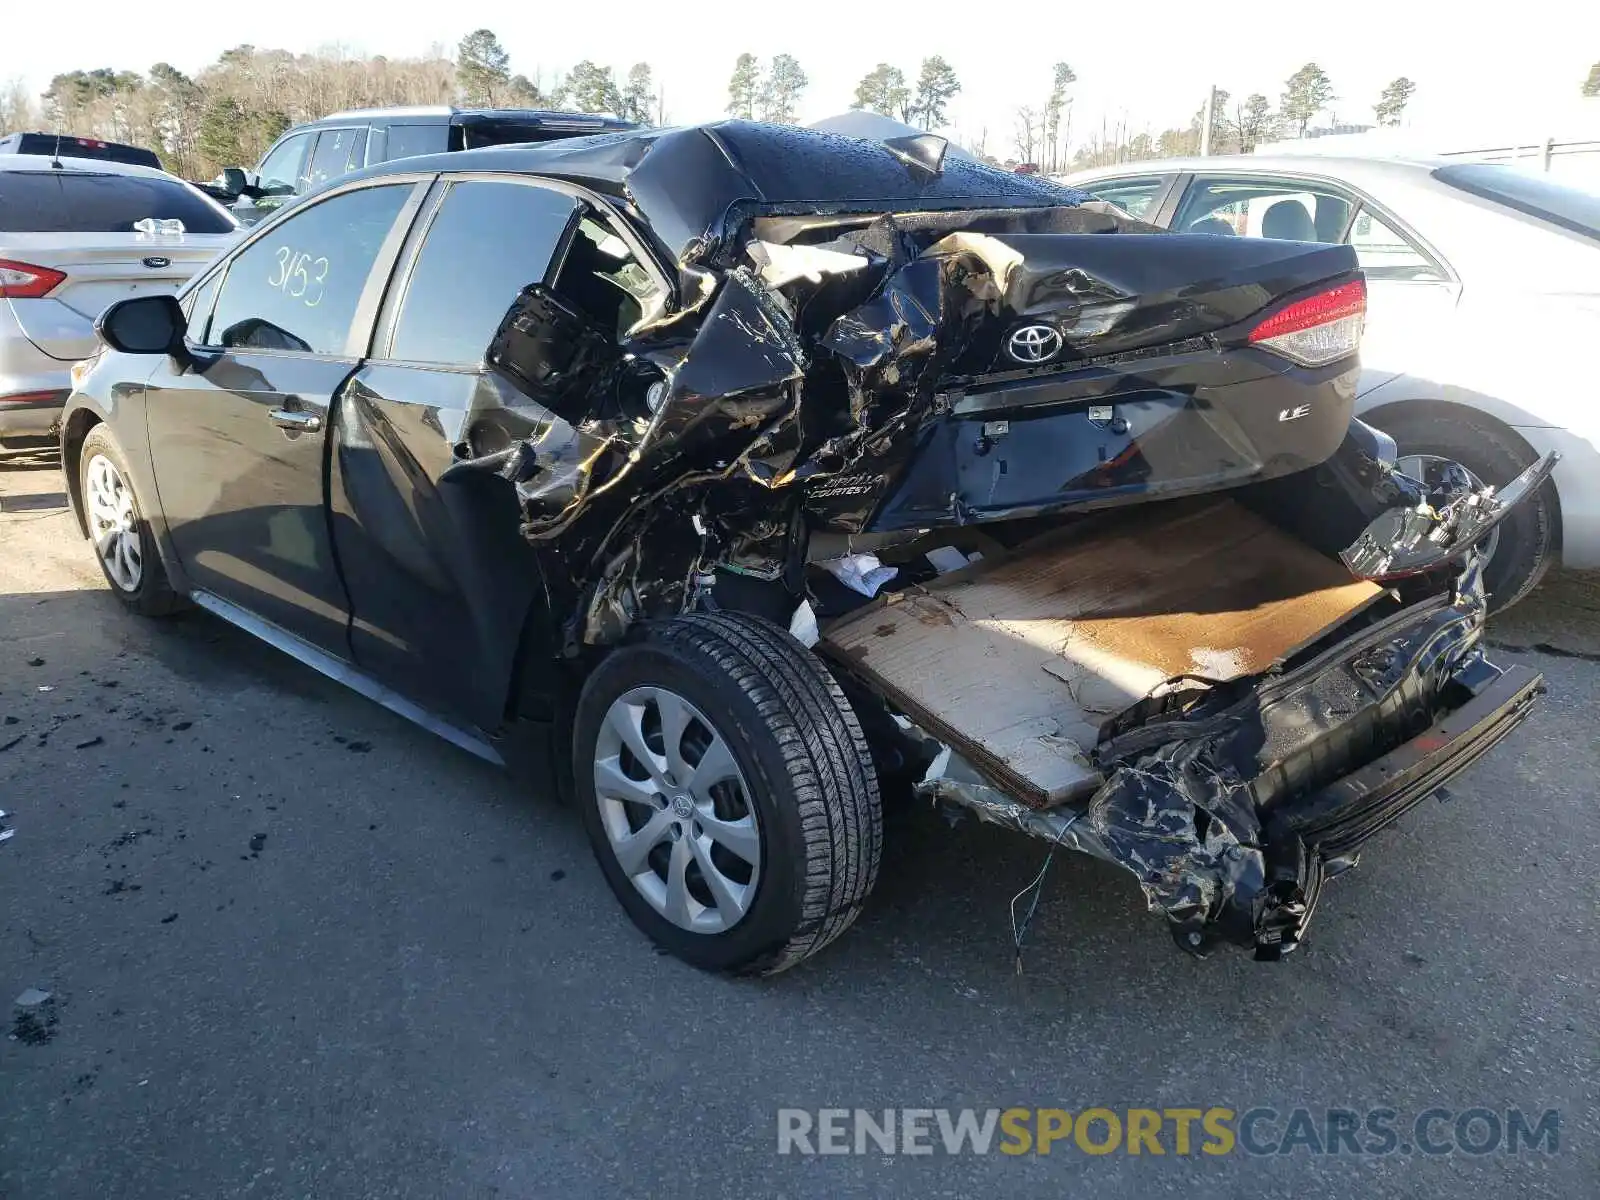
1523	546
123	541
726	787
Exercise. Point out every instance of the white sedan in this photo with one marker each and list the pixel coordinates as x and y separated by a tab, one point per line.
1483	312
77	234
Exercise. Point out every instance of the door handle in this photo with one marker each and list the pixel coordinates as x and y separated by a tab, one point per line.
295	420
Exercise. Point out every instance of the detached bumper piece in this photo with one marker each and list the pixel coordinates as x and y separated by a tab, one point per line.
1320	836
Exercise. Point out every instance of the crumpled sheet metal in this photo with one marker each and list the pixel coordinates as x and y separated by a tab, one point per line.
1179	825
1179	816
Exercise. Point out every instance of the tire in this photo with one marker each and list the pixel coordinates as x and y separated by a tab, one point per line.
798	774
125	550
1527	541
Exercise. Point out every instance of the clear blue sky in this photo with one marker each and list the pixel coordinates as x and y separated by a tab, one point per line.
1146	64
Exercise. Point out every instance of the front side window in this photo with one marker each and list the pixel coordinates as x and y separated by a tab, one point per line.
298	287
1136	197
281	170
1282	210
79	202
487	243
197	308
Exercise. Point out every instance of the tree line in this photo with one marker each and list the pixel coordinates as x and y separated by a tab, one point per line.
1239	125
230	111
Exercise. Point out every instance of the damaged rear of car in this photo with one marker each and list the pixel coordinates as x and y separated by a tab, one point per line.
807	463
879	351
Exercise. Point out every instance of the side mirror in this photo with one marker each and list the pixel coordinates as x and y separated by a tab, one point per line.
145	325
234	180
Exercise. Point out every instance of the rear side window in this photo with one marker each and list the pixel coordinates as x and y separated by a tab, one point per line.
1281	210
298	287
1136	197
407	141
1386	254
488	241
1574	210
74	202
338	152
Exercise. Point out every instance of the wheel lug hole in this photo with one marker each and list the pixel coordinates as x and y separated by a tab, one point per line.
696	829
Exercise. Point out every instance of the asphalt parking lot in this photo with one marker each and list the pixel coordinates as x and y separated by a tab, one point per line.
296	947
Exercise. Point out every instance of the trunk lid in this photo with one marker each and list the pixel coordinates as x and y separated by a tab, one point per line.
1110	294
100	269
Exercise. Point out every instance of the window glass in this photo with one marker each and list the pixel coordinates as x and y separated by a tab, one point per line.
488	242
1384	254
1286	210
601	278
197	307
408	140
298	287
280	170
1535	195
78	202
331	158
1133	196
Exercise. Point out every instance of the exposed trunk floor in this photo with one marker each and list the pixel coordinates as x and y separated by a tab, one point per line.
1017	663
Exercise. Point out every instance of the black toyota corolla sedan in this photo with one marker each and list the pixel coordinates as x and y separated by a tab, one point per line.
712	476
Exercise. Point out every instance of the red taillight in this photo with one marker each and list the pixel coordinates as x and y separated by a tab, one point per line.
24	281
1318	329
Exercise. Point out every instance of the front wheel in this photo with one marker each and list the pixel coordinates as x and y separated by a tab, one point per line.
727	790
123	541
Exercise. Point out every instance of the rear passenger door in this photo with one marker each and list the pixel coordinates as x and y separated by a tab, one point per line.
440	579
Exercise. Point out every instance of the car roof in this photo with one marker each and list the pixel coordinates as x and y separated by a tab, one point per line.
1328	166
446	113
694	183
81	166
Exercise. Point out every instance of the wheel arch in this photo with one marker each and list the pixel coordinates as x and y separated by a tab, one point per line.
73	432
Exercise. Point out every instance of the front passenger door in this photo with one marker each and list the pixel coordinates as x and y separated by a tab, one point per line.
238	442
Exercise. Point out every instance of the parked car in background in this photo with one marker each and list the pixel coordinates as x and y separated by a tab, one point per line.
312	154
75	235
1483	312
52	144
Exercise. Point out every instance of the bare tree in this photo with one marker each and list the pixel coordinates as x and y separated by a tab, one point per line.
1027	134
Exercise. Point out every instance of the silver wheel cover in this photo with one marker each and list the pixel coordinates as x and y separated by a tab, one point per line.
677	810
113	523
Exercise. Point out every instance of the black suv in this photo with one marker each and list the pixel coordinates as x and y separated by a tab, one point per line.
311	154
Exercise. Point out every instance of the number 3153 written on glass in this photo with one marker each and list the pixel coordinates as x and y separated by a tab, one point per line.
300	275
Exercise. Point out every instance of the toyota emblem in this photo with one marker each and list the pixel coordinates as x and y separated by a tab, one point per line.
1034	344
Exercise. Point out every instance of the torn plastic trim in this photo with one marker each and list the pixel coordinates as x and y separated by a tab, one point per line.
1450	518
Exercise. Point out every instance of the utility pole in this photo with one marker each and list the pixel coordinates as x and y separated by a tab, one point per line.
1208	116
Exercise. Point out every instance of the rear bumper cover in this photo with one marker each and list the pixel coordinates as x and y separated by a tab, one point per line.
31	414
1321	835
